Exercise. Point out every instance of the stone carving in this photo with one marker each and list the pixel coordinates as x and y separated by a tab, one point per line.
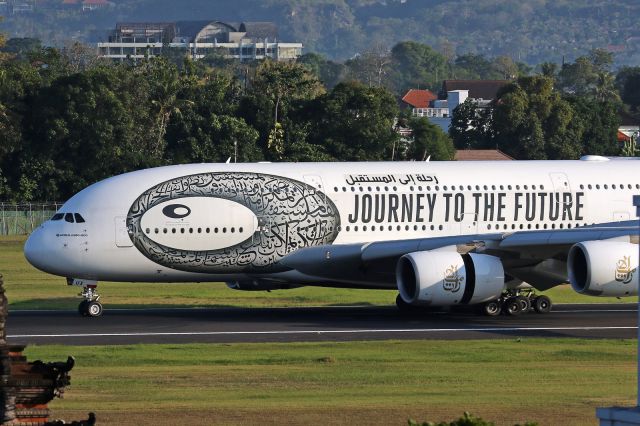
27	387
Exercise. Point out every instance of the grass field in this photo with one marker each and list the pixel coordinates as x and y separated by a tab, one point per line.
28	288
559	381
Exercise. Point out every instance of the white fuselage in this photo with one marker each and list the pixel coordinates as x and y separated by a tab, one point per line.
213	222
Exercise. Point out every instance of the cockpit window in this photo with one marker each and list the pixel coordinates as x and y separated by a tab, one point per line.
79	218
68	217
57	216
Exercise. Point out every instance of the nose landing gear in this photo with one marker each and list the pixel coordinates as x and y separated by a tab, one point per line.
90	306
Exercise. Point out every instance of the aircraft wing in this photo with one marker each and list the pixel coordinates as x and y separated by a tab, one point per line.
374	262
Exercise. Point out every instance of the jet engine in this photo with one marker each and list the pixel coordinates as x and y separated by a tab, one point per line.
445	278
604	268
259	285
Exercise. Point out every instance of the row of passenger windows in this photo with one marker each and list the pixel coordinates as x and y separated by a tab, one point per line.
192	230
69	217
481	187
613	186
445	188
365	228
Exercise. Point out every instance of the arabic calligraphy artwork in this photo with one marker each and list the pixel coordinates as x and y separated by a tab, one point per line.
452	280
298	216
624	272
401	179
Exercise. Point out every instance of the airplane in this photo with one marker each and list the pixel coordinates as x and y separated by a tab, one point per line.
444	234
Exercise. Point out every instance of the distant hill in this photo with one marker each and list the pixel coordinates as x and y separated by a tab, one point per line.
531	31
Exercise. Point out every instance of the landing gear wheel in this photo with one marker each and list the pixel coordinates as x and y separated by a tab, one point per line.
82	308
512	306
542	304
94	309
525	304
492	308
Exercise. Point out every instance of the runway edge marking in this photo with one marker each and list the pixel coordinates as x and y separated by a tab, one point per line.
274	332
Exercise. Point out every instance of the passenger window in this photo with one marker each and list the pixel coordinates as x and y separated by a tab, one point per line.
57	216
68	217
79	218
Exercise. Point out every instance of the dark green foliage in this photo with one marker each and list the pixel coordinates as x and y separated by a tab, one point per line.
429	141
531	119
68	120
466	420
628	84
355	122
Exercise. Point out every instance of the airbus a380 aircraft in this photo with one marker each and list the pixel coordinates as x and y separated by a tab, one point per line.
442	233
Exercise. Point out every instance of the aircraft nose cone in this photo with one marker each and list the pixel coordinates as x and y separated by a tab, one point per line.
42	253
35	250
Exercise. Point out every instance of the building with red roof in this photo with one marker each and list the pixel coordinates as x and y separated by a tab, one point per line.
418	98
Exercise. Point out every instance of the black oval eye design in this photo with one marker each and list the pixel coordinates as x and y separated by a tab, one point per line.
170	211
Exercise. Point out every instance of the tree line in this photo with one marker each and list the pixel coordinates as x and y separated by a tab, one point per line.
68	119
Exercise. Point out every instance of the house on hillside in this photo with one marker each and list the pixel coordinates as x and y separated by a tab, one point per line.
419	101
629	127
455	92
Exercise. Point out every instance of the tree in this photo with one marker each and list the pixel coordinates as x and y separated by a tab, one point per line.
328	72
531	121
628	83
277	90
205	129
88	126
355	122
469	127
588	76
371	67
599	121
21	47
428	141
416	65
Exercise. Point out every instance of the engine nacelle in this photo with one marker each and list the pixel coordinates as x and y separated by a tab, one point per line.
259	285
445	278
604	268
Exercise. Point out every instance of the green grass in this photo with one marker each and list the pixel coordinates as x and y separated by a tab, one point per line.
551	381
28	288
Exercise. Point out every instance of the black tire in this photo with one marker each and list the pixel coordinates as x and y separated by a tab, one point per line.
525	304
82	308
492	308
512	306
542	304
94	309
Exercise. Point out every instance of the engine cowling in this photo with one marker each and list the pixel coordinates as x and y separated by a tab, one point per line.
445	278
604	268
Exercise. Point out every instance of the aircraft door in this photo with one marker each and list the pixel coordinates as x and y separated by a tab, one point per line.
561	186
469	224
122	234
560	182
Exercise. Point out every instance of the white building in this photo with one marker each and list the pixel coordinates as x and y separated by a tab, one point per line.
245	41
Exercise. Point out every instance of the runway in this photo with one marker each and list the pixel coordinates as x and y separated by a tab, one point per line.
226	325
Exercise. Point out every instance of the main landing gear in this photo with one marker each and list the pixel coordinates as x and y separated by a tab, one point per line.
90	306
516	302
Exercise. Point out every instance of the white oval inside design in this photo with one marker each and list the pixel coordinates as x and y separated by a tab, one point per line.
213	223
